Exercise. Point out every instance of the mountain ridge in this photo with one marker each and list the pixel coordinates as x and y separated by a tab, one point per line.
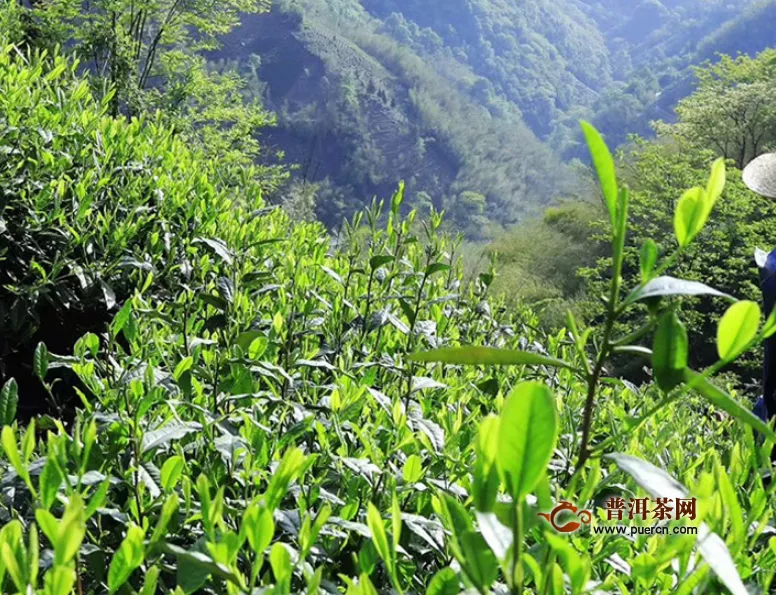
474	103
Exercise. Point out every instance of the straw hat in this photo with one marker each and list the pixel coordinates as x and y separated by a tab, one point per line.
760	175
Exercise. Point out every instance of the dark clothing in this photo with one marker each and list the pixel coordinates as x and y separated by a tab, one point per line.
767	408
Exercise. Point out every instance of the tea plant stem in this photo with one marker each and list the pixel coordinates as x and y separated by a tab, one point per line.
635	335
592	386
612	312
185	326
365	322
79	584
587	416
517	531
136	450
548	566
411	336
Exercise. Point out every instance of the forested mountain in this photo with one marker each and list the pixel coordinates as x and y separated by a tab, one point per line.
359	111
474	102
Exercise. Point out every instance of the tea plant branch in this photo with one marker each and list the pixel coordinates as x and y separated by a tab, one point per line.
672	397
618	244
517	555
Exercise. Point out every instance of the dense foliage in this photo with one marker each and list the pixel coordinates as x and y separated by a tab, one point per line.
145	58
557	262
738	95
470	98
251	419
359	110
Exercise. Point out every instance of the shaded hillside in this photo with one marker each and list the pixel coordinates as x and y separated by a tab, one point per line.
545	57
473	102
358	111
686	33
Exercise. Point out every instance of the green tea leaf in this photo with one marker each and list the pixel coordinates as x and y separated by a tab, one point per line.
219	247
41	361
379	537
245	339
289	469
660	484
604	167
127	558
49	483
769	328
526	439
280	560
48	524
485	485
121	318
647	259
670	286
168	433
498	537
259	527
190	561
737	329
379	260
445	582
9	400
183	366
70	532
395	521
436	267
12	567
171	472
479	561
169	508
716	183
59	580
690	217
413	469
577	567
151	579
12	451
669	351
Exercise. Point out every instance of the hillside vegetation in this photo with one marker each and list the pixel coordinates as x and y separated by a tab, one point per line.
358	111
471	103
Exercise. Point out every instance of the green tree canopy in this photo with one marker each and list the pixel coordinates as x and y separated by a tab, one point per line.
733	111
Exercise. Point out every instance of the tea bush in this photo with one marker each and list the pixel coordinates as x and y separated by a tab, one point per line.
251	421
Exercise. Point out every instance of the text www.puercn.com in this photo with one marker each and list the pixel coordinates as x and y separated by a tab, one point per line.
650	530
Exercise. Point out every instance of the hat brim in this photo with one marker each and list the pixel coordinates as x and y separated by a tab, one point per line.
760	175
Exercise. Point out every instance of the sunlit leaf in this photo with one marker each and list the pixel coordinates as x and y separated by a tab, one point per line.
670	286
604	167
647	259
526	437
722	400
737	329
168	433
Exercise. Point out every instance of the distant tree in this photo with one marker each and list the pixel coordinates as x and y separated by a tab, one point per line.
299	200
468	212
144	56
733	111
124	41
